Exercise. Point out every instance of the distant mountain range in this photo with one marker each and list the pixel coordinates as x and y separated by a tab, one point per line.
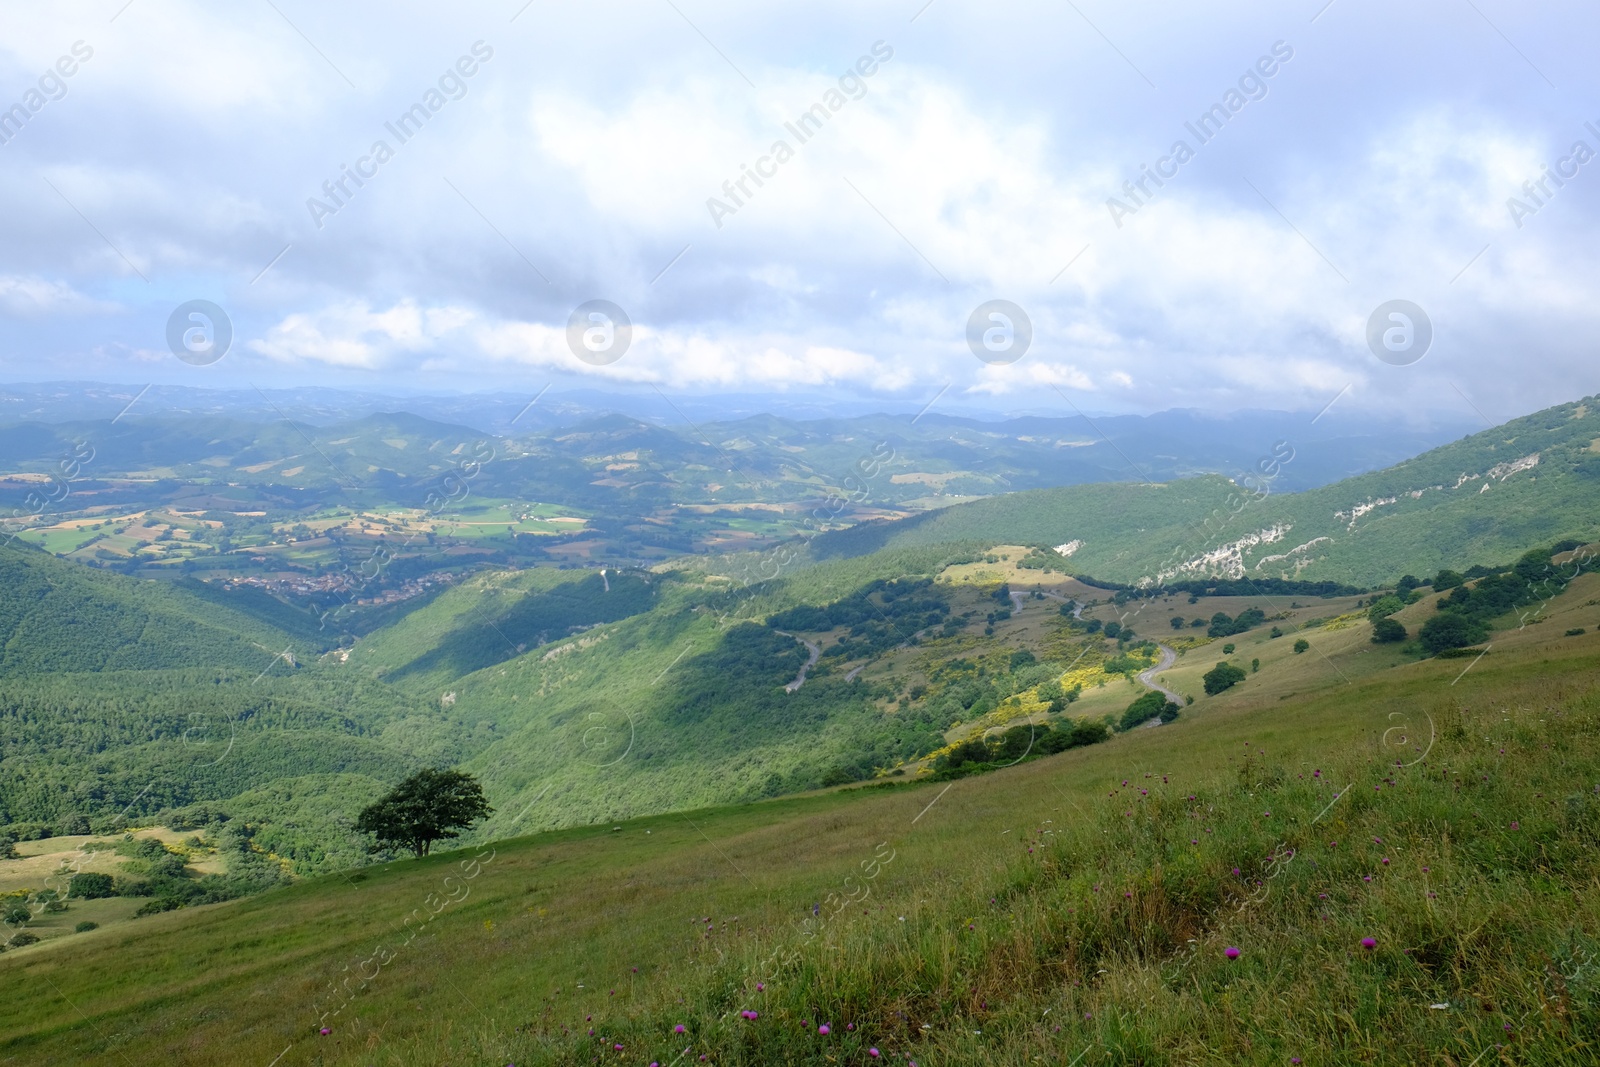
585	448
1485	497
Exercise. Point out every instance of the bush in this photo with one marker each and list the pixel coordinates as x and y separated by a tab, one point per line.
1276	631
1223	676
1227	649
1147	707
1451	629
1112	629
89	886
1255	665
1085	732
1383	607
1387	631
1223	626
1575	632
16	914
158	905
1301	646
23	938
85	926
1446	580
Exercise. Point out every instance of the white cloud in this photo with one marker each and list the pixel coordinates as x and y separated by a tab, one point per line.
25	296
353	335
191	140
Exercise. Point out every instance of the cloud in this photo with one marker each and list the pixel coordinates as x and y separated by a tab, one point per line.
353	335
577	174
28	297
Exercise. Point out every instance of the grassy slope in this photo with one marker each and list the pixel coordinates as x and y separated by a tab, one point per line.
459	607
1134	531
570	711
1114	922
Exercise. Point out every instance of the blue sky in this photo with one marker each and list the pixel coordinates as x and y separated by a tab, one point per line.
577	160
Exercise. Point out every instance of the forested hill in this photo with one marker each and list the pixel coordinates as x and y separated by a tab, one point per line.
1486	497
60	617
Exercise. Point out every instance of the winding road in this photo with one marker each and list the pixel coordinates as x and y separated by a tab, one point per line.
1168	658
816	654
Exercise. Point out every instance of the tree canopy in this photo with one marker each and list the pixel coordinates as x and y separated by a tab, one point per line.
429	806
1222	676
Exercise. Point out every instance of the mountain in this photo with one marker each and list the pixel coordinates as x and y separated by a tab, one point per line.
60	617
1486	497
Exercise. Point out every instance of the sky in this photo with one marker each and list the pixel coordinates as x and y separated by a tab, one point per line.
517	162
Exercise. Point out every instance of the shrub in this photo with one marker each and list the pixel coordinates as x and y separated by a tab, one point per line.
1387	631
1301	645
86	926
1223	676
89	885
16	914
157	905
23	938
1227	649
1277	631
1575	631
1223	626
1255	665
1112	629
1147	707
1451	629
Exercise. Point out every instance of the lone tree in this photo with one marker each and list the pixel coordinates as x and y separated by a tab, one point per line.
427	807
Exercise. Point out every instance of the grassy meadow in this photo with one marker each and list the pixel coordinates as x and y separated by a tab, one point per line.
1074	909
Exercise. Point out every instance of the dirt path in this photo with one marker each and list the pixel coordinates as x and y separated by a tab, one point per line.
1077	605
1168	658
816	654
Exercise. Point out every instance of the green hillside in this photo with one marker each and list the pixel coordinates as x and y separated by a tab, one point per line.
1485	497
60	617
496	616
1075	909
131	744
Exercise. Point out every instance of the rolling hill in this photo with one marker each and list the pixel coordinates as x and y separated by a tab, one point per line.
1486	497
1328	878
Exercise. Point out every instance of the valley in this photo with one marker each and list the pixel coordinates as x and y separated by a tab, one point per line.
687	755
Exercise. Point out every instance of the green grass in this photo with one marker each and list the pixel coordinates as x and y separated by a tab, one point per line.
1112	928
